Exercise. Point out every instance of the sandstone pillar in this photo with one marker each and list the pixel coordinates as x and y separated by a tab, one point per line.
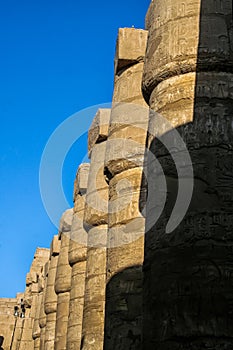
63	281
7	321
36	327
19	322
50	303
188	79
124	167
31	298
38	300
42	315
96	221
77	259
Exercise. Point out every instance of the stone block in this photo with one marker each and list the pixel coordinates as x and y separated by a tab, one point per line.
78	241
63	273
96	209
177	43
62	321
98	131
127	85
130	47
74	333
126	249
65	223
50	331
55	246
80	184
50	303
126	196
125	147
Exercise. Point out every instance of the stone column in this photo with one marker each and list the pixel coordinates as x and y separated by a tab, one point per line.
50	303
96	221
77	259
124	167
31	298
7	321
18	324
36	326
37	289
42	315
188	79
63	281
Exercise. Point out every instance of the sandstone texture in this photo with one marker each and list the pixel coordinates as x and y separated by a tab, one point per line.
96	222
77	256
186	291
124	162
144	260
63	281
50	302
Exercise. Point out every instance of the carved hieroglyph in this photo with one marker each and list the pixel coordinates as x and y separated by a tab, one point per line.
50	302
7	320
77	258
188	80
96	220
63	281
42	316
30	299
126	225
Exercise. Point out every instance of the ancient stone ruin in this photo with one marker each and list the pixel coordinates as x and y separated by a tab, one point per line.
115	278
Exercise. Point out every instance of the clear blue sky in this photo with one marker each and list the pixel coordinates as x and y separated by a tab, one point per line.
56	59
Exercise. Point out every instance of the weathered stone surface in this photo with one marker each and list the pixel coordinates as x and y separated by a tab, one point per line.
36	325
75	321
78	242
28	304
26	340
98	131
126	87
63	281
123	322
42	338
42	317
129	120
186	291
187	273
96	210
50	303
80	183
62	320
179	108
130	47
63	272
94	300
50	331
77	256
19	323
55	246
125	246
125	194
7	321
95	220
124	309
184	35
124	161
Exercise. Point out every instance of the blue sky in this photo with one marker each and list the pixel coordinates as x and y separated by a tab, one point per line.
56	59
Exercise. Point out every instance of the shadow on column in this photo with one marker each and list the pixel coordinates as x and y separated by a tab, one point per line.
1	342
188	274
123	319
